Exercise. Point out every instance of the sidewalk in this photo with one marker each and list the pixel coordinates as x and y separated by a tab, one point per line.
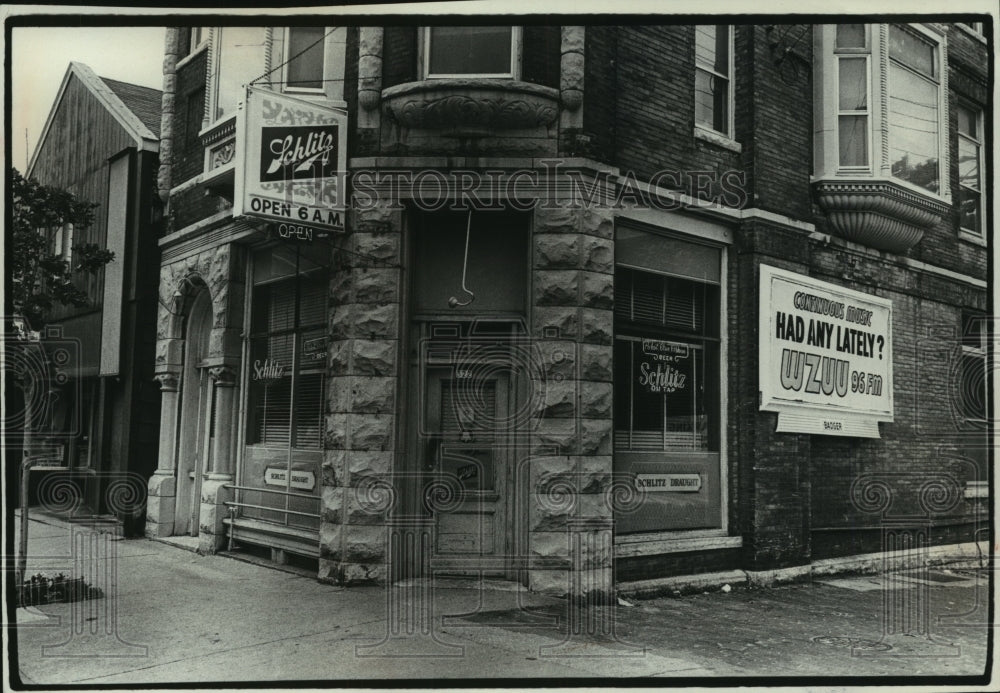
173	616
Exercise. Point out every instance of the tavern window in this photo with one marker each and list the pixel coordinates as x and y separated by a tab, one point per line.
667	331
471	51
287	351
667	380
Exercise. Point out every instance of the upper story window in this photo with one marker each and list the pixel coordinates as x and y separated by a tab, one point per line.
970	156
713	87
914	108
197	37
881	105
305	56
471	51
853	79
239	58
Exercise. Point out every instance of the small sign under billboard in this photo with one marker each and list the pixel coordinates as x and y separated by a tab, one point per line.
825	356
291	161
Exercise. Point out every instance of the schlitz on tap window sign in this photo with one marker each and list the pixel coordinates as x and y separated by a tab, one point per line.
825	356
290	164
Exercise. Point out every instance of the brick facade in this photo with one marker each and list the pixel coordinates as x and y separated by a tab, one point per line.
788	498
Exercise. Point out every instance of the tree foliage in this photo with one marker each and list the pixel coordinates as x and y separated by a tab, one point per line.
40	279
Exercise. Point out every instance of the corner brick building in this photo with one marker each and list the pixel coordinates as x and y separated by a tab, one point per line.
591	307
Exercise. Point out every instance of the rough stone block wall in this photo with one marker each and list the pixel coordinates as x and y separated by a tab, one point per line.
364	372
570	493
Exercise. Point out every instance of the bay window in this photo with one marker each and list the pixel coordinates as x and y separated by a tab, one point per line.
880	133
471	51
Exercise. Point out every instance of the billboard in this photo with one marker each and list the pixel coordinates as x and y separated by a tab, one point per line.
292	156
825	356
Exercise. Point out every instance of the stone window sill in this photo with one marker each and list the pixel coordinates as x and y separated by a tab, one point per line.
717	139
972	238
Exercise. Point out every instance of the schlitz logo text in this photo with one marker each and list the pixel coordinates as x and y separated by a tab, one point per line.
298	153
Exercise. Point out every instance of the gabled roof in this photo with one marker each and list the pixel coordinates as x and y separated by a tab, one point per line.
145	102
137	109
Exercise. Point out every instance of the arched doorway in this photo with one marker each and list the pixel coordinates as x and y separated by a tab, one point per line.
195	429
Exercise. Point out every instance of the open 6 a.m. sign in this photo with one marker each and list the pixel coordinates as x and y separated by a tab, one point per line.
825	356
290	164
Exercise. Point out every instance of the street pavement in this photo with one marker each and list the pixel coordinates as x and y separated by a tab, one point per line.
170	615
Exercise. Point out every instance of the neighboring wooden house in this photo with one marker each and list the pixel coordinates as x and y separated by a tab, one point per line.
101	143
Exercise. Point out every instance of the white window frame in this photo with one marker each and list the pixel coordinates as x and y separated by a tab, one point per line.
62	243
978	142
202	33
730	90
826	91
938	80
212	75
515	59
863	53
980	352
286	51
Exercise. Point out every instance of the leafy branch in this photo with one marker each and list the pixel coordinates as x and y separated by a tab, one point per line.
39	278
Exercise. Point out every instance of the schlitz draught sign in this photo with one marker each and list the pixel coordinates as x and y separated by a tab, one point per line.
292	154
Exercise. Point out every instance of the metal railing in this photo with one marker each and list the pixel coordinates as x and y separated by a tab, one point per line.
235	506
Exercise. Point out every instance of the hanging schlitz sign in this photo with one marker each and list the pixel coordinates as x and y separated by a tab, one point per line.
825	356
290	164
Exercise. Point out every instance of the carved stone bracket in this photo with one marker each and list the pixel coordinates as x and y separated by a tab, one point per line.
224	376
878	213
471	107
169	382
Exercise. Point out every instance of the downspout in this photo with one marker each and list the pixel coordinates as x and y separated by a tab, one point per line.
163	178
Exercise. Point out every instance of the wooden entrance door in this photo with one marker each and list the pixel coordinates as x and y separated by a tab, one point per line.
465	445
